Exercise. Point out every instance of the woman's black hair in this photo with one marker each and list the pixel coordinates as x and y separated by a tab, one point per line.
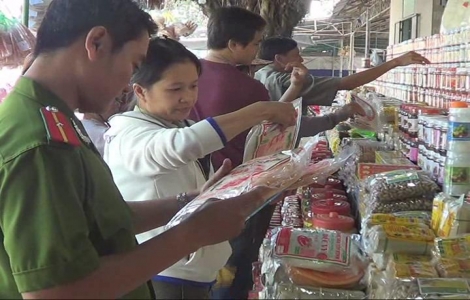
162	54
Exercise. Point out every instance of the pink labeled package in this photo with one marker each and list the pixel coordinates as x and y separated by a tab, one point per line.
268	138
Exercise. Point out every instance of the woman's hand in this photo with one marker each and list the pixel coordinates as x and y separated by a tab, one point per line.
282	113
223	171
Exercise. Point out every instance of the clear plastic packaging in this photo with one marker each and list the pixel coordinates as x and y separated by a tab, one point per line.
392	238
453	268
290	291
277	172
398	185
268	138
318	173
452	247
16	41
455	218
319	250
409	204
438	209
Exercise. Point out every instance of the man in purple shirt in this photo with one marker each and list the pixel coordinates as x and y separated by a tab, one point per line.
234	37
222	87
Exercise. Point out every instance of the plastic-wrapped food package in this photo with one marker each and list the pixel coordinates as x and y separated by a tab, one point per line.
410	204
319	173
453	268
398	185
387	110
404	219
370	113
455	218
312	278
363	151
268	138
443	288
291	212
404	274
438	209
452	247
376	283
392	238
277	172
16	42
319	250
289	291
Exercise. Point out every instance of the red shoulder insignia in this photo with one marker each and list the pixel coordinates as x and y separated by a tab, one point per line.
58	126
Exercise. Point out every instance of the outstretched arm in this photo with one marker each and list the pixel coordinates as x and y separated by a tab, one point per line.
356	80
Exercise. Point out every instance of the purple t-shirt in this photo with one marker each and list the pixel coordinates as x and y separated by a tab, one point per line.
224	89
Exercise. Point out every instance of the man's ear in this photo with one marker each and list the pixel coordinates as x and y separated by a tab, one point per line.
232	45
97	42
139	92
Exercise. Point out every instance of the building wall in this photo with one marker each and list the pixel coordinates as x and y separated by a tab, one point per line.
430	17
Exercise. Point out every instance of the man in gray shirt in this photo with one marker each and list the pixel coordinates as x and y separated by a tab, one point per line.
284	52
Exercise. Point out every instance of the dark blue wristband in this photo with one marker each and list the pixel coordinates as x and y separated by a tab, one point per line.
217	129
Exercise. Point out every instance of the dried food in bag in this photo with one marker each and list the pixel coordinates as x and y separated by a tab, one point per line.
410	204
401	184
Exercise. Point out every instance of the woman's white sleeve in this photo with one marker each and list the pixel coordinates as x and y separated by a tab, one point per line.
150	151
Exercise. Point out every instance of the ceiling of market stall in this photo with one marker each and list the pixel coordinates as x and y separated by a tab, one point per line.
346	15
328	22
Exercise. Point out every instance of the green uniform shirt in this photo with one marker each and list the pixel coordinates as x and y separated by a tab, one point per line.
60	210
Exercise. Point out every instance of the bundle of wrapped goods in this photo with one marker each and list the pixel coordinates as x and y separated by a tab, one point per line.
276	219
291	213
363	153
439	268
308	262
401	190
16	42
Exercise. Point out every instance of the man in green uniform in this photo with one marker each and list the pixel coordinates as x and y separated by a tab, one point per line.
66	231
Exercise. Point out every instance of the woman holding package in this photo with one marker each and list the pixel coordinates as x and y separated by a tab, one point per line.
155	152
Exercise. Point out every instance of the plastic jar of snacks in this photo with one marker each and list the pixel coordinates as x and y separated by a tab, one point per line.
457	174
459	127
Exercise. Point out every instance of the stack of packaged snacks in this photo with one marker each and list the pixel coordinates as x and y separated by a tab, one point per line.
303	262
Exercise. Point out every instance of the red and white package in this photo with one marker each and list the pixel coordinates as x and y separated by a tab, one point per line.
268	138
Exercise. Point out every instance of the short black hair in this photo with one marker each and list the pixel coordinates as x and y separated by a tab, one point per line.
162	54
270	47
232	23
66	21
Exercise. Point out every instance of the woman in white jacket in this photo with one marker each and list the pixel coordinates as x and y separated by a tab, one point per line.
154	152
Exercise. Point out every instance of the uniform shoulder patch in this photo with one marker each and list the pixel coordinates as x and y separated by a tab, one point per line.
59	127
